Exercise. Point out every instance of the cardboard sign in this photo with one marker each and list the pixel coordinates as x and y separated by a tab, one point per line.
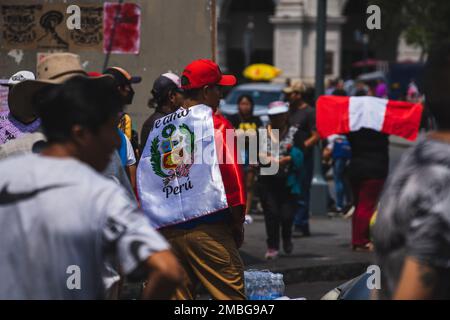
43	27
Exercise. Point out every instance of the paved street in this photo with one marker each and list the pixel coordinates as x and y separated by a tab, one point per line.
322	261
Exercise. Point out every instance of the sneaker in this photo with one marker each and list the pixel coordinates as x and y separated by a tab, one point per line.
248	219
288	246
349	213
271	254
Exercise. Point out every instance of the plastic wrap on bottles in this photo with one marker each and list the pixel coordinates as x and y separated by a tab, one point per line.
263	285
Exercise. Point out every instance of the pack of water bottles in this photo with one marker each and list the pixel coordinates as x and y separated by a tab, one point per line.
263	285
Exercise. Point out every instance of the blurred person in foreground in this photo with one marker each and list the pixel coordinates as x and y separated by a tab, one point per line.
123	81
247	124
280	192
59	214
412	230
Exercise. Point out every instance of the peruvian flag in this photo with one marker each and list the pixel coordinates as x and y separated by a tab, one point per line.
338	115
188	169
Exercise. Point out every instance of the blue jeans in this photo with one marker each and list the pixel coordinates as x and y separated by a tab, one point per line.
339	183
302	213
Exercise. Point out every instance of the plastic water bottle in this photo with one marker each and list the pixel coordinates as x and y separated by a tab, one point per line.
274	287
252	279
282	285
248	281
263	285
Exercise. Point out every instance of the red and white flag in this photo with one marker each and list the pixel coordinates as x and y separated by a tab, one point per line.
187	169
338	115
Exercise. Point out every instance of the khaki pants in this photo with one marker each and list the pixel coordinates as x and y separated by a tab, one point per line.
208	255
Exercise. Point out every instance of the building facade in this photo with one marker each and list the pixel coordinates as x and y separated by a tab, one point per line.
283	33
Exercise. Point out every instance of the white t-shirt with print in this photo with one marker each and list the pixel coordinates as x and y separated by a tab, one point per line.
59	215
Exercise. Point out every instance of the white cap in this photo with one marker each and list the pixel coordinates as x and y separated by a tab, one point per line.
173	77
19	77
277	107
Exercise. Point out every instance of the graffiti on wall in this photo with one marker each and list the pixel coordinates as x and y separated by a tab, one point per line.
19	25
43	27
91	32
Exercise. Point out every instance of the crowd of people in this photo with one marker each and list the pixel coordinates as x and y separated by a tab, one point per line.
69	192
67	126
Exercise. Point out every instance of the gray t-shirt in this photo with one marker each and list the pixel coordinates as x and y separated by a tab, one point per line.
116	172
59	215
414	216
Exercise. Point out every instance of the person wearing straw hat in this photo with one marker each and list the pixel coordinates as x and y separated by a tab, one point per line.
54	69
51	71
280	192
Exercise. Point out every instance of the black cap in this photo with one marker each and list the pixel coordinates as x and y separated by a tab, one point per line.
165	83
122	76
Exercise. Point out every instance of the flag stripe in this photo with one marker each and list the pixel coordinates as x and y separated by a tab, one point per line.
405	113
230	169
332	115
367	112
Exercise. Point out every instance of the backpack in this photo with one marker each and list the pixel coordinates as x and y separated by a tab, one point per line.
341	149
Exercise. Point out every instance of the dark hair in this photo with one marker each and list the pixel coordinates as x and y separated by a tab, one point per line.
248	97
79	101
360	93
437	85
164	98
339	92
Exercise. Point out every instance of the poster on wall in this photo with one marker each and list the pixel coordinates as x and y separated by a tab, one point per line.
127	31
44	27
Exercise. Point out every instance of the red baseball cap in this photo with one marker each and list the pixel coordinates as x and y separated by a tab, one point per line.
204	72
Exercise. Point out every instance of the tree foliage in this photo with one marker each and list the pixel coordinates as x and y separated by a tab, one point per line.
423	22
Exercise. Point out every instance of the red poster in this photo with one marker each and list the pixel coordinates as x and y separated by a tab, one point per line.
127	32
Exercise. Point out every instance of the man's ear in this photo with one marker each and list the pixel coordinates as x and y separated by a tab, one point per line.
205	91
79	134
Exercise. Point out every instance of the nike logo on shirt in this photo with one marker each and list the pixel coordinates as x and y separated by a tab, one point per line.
7	197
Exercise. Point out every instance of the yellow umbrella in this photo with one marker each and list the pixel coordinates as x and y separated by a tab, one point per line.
261	72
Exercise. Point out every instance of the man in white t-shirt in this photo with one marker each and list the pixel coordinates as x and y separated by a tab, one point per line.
63	226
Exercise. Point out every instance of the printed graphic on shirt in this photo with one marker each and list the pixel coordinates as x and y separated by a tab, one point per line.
167	152
7	197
